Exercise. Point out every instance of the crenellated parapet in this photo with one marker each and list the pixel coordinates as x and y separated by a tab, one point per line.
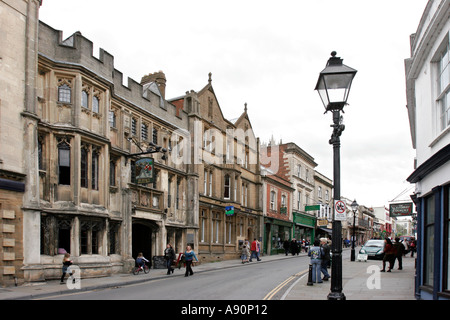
76	52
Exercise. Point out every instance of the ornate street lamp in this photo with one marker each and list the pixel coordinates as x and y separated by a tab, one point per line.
355	206
334	86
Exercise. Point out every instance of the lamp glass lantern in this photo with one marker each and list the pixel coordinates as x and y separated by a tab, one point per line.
354	206
334	83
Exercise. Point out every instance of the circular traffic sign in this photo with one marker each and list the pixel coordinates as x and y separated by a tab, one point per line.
339	206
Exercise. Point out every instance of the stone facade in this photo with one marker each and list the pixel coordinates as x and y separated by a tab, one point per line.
225	157
18	171
71	135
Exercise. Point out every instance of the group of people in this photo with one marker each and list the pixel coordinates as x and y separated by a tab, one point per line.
395	252
170	259
250	251
320	257
295	246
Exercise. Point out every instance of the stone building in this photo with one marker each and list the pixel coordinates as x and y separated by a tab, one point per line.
18	171
90	134
225	158
73	187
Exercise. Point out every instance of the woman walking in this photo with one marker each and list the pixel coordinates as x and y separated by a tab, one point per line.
169	255
245	253
189	255
66	267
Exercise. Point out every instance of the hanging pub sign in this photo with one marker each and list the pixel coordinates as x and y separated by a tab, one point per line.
229	211
144	170
400	209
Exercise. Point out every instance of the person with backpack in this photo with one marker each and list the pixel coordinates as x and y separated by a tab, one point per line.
316	253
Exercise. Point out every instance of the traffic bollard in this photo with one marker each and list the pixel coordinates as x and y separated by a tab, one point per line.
310	283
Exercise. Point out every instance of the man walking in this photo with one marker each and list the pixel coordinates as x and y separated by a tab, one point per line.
254	247
325	259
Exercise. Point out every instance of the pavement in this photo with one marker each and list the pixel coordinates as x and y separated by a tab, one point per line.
360	281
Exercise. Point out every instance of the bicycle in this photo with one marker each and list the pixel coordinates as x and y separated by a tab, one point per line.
138	269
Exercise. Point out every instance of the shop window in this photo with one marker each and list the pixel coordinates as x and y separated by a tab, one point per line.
447	239
429	240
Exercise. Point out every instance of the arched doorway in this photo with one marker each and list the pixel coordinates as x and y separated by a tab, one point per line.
142	240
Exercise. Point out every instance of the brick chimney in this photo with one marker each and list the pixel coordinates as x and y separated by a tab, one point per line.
160	79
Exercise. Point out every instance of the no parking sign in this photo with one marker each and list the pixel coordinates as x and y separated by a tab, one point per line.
340	210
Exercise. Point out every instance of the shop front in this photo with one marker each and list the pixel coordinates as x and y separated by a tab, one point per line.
304	226
275	233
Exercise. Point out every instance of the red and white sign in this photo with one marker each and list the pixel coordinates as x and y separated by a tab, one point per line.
340	209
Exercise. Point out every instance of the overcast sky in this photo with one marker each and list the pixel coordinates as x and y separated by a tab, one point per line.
269	54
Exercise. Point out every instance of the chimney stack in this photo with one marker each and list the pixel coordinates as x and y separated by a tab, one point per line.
159	78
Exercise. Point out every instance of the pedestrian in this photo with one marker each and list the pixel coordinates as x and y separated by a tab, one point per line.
325	259
189	256
400	249
286	247
66	267
253	248
307	243
245	252
169	256
389	255
258	250
316	254
412	245
293	247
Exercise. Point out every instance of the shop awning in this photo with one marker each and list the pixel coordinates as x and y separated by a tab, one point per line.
326	230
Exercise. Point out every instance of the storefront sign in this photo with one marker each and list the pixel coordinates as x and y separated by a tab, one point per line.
144	171
400	209
229	211
312	208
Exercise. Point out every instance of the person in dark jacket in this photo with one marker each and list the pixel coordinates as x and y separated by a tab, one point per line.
325	259
293	247
286	246
389	255
169	255
400	250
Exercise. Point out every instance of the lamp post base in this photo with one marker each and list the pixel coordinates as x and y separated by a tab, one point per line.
336	296
352	255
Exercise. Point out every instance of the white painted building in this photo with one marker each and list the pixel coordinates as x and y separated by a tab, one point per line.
428	104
